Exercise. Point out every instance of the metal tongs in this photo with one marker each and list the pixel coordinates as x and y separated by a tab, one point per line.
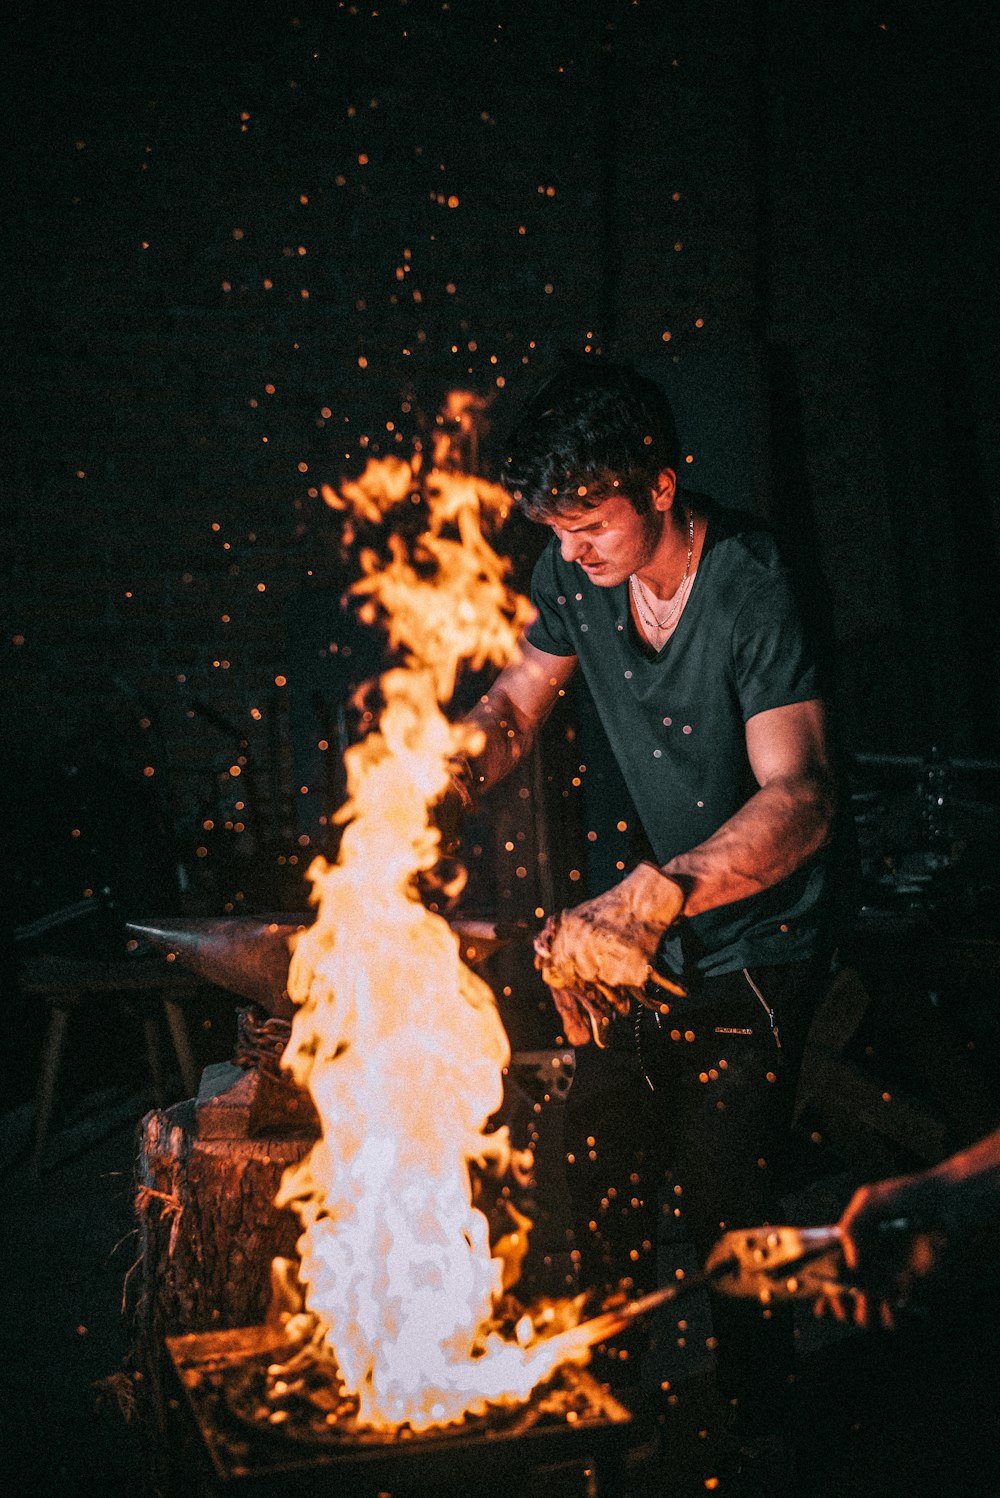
765	1264
777	1263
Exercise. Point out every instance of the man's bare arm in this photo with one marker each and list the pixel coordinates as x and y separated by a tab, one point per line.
782	825
514	709
610	942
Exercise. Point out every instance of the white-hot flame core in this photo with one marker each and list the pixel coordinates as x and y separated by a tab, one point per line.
399	1043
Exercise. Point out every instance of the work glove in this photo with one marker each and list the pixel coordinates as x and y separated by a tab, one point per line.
598	956
449	811
440	887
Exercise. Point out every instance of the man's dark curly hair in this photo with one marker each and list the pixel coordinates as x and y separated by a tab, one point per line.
592	429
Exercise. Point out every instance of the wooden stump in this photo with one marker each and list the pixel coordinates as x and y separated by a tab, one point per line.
208	1230
208	1225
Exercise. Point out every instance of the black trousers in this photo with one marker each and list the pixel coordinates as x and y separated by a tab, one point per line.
680	1130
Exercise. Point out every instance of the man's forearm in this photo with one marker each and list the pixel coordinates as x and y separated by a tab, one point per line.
510	714
776	832
507	739
968	1185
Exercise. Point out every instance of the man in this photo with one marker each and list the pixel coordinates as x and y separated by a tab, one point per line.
695	975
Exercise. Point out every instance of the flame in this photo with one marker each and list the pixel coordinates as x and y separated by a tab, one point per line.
399	1043
384	483
463	420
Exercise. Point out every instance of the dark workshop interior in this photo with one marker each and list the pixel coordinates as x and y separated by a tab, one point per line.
248	249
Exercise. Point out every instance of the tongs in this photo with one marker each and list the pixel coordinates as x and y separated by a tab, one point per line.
764	1263
777	1263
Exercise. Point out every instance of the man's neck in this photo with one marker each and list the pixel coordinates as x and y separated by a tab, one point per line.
667	569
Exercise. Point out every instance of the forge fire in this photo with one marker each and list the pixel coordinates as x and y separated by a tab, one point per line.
398	1042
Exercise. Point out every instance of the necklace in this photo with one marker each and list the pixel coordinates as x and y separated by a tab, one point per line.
642	595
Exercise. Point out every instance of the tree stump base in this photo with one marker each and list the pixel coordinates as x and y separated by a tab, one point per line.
208	1228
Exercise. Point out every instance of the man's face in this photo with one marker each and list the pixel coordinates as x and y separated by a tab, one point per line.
609	540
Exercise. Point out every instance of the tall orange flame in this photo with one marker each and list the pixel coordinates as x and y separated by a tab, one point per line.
399	1043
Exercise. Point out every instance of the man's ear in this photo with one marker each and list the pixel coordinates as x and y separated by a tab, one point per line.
665	490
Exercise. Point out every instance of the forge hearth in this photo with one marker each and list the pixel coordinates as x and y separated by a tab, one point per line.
207	1174
571	1438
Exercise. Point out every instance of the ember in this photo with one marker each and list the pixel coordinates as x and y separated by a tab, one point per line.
302	1398
399	1043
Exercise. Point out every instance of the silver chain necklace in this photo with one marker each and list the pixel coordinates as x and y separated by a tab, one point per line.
642	596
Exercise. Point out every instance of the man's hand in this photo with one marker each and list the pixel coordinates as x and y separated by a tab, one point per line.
891	1239
598	956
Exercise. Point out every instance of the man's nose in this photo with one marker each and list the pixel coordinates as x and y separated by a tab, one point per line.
571	546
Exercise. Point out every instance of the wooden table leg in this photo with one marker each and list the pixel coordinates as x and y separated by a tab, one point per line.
182	1046
45	1094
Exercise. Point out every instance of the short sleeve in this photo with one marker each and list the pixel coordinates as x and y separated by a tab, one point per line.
550	630
773	661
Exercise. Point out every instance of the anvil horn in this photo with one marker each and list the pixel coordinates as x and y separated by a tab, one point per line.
242	954
249	956
479	938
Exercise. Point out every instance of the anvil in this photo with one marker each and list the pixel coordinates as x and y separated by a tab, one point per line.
249	955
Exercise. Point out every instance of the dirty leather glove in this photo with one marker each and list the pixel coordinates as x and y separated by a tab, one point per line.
449	811
440	887
586	1013
597	956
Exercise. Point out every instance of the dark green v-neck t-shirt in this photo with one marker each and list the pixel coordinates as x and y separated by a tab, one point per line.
675	718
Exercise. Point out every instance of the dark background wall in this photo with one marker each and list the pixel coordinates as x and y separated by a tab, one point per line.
246	246
249	246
